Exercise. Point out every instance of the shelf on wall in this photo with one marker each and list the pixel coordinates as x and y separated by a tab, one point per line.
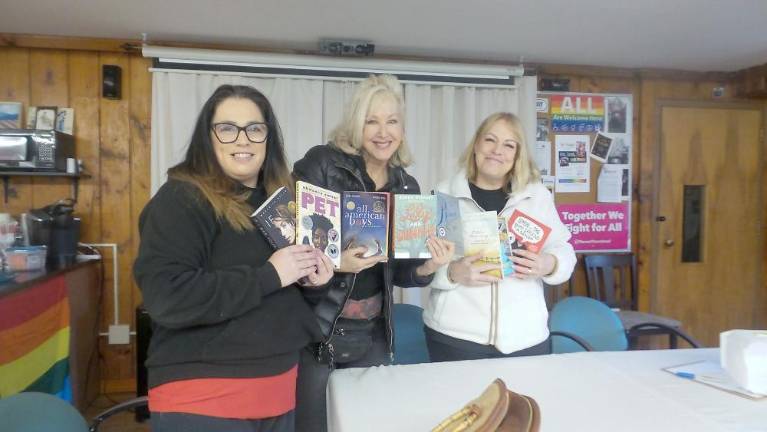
75	179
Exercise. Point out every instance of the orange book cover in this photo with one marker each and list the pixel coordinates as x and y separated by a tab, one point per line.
527	232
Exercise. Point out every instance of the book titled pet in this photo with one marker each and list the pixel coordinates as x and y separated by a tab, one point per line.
481	237
276	218
415	219
365	222
319	219
527	232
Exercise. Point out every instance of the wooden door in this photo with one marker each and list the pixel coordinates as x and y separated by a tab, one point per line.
708	274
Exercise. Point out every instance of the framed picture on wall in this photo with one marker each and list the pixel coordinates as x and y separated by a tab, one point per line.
10	115
46	118
31	117
65	118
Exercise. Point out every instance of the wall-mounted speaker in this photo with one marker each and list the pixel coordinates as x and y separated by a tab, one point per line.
111	82
554	84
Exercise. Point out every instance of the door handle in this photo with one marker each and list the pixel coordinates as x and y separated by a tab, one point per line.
668	243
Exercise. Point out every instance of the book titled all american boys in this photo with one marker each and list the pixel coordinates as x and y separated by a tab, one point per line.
276	218
319	219
365	222
415	219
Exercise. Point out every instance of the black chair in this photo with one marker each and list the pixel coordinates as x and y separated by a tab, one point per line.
612	279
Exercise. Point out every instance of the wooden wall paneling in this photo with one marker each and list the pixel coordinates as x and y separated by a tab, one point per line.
49	78
116	212
14	87
140	139
760	306
646	194
84	83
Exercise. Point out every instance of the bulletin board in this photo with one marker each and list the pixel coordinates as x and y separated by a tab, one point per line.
583	149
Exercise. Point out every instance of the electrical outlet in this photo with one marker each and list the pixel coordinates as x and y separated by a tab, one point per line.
119	335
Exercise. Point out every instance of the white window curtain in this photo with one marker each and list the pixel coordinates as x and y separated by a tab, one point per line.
440	120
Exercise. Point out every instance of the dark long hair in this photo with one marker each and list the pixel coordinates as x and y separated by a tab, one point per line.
201	167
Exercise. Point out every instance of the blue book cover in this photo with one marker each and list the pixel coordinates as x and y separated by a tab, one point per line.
365	222
449	220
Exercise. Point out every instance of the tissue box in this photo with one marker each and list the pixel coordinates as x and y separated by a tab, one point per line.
743	354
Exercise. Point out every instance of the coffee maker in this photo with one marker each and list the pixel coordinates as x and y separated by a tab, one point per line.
53	226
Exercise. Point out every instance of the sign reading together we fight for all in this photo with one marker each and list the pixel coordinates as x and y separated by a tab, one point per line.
597	227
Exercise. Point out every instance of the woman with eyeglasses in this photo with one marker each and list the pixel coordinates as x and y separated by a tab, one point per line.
228	318
470	314
367	152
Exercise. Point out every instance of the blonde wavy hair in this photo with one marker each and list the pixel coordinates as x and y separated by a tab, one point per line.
347	136
522	172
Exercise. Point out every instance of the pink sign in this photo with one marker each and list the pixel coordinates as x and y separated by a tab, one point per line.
597	226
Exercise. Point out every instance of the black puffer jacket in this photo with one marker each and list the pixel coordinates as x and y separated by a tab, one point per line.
328	167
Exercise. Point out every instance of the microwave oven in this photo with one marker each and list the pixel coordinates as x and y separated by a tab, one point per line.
35	150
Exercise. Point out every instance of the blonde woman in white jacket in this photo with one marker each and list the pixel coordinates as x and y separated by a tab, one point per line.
472	315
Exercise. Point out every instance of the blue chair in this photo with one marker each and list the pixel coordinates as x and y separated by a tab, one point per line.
612	279
43	412
409	338
39	412
585	324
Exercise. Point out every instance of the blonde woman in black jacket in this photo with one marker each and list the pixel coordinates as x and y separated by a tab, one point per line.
367	152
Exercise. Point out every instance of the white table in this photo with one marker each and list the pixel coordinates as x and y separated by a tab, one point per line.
597	391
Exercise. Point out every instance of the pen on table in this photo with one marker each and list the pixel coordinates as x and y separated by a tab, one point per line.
688	375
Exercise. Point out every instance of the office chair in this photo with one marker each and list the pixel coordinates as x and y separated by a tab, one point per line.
612	279
409	338
43	412
586	324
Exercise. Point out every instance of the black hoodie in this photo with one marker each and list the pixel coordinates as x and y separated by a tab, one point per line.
216	304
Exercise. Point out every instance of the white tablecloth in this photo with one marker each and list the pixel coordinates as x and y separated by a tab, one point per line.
597	391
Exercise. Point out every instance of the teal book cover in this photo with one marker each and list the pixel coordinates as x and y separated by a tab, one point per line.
415	219
507	265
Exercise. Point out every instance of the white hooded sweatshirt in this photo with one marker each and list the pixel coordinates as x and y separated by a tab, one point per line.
512	314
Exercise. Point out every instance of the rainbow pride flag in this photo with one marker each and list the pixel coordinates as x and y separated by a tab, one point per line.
34	340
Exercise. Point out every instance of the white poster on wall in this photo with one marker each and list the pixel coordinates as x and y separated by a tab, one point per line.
542	157
610	184
572	162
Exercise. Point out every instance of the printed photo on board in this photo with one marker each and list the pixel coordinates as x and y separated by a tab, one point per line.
619	153
601	147
616	115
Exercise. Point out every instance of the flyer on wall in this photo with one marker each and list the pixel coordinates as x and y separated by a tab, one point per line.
572	162
542	157
610	184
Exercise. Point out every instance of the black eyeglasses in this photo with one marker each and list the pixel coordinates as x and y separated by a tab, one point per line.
228	133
